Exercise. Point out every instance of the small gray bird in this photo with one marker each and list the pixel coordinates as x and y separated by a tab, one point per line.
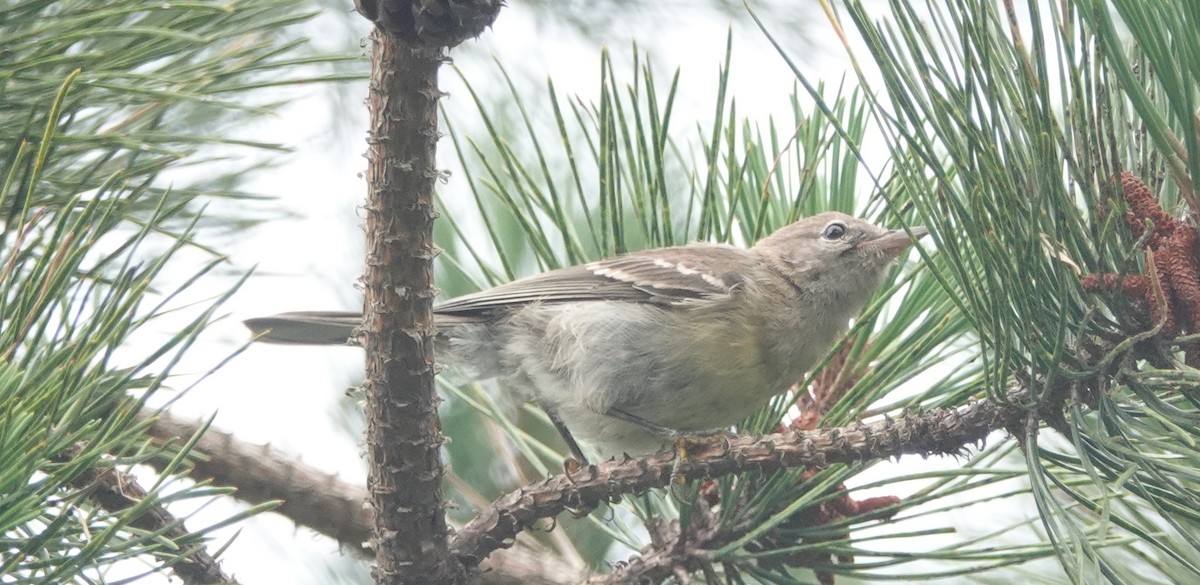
628	351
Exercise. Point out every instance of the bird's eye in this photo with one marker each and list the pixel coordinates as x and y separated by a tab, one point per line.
834	231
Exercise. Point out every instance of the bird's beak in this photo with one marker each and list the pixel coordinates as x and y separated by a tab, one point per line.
895	241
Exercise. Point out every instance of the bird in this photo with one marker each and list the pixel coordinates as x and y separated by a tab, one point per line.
629	352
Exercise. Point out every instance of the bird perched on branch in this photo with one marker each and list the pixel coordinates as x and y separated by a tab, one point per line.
628	352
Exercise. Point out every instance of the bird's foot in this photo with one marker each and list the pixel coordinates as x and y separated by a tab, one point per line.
571	465
686	441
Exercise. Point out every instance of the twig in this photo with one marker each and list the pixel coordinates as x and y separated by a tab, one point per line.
673	551
116	491
310	497
938	431
825	391
321	501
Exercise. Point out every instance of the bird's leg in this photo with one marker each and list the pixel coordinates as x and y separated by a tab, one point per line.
577	458
682	440
633	419
674	435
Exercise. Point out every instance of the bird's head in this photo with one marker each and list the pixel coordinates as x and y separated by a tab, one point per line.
836	254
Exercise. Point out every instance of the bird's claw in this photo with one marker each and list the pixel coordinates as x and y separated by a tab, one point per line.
570	466
685	441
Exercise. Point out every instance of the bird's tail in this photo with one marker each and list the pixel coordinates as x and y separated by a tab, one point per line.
325	327
306	327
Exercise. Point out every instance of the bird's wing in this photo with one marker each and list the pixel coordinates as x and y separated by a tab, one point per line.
663	276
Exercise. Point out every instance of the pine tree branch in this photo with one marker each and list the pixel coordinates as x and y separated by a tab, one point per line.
262	475
404	435
309	496
116	492
328	505
523	566
672	552
441	23
938	431
411	536
318	500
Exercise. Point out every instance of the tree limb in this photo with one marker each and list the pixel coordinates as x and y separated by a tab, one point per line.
116	492
404	435
403	430
672	551
309	496
937	431
320	501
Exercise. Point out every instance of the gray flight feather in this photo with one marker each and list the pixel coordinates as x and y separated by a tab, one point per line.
661	276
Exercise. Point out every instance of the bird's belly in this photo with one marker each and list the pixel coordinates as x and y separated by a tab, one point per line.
720	393
679	370
707	400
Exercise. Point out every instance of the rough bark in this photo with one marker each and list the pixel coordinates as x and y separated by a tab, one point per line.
938	431
116	492
319	500
308	496
403	430
404	434
440	23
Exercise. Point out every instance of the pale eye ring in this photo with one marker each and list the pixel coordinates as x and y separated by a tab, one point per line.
834	231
